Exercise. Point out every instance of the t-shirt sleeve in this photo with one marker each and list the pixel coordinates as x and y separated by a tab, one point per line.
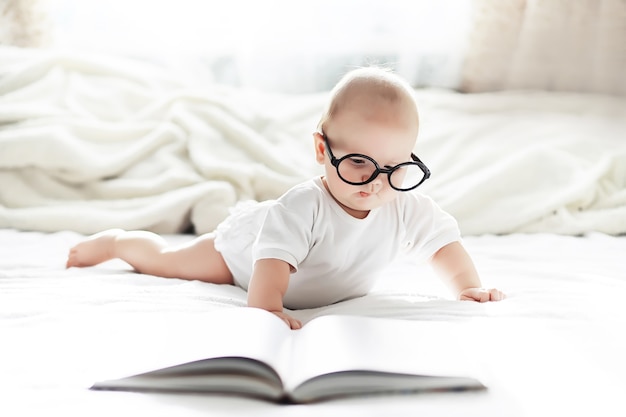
285	233
428	227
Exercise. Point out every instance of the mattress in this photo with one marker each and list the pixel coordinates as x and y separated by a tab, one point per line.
555	346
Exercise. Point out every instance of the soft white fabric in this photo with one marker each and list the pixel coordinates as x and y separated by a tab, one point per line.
94	142
334	255
526	161
547	45
553	347
24	23
89	144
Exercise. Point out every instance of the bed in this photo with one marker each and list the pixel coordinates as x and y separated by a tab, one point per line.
536	179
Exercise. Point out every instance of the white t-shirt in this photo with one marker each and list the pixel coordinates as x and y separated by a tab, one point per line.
334	255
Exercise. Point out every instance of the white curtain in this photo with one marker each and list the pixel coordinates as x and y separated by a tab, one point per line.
547	45
274	45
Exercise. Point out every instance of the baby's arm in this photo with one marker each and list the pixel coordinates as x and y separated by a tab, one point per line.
455	267
269	282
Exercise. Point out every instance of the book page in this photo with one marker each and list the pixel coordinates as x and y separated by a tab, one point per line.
249	332
237	332
344	343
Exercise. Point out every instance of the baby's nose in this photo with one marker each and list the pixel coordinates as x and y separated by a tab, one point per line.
376	184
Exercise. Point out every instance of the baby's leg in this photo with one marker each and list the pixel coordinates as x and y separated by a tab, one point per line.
149	253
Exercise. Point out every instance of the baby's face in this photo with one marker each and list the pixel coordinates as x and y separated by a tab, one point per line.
386	135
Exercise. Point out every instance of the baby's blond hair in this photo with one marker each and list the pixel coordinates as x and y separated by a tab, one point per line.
378	83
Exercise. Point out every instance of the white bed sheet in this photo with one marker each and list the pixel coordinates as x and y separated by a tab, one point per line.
555	346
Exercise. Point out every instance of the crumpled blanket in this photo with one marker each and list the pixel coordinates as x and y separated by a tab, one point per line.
93	142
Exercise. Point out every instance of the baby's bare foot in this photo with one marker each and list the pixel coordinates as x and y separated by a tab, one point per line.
96	249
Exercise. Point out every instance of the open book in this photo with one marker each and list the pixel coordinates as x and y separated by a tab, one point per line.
252	352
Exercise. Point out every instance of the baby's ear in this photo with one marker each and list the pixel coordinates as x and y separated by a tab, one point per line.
320	147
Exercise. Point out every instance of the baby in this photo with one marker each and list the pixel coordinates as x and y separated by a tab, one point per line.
325	240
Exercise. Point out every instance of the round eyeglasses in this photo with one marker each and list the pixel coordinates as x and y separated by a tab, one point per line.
358	169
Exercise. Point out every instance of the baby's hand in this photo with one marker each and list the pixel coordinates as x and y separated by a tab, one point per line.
481	295
293	323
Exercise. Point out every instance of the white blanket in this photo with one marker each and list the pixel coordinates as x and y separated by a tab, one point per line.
91	142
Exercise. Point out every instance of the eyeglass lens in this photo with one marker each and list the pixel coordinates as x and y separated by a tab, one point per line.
360	170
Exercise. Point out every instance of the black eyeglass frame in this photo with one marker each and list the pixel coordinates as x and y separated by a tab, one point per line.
387	170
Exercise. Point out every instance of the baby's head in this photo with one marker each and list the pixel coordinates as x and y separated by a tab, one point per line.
371	89
371	112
